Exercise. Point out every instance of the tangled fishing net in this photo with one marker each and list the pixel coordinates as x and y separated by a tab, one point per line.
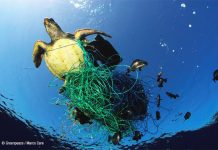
112	98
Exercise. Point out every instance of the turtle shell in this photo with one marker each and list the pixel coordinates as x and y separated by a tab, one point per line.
64	55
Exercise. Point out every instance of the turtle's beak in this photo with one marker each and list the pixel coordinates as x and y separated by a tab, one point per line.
46	21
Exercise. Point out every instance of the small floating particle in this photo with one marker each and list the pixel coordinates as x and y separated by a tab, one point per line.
189	25
183	5
194	12
163	44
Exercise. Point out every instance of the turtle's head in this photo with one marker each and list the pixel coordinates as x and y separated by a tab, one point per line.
53	29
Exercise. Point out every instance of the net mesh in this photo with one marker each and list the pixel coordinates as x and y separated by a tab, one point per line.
98	93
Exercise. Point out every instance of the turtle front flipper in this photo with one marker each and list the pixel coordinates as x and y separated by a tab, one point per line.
82	33
38	51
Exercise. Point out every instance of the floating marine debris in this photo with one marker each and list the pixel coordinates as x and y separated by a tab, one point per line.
137	135
171	95
103	52
158	115
116	138
158	100
81	117
161	80
215	75
87	81
187	115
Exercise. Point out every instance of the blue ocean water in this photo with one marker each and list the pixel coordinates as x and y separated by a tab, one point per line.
176	36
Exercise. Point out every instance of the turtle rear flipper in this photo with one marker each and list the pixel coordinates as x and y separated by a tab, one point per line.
38	51
82	33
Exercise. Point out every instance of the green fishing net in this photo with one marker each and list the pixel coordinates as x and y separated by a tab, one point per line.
92	90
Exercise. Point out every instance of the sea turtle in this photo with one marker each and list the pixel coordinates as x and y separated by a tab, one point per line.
63	53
